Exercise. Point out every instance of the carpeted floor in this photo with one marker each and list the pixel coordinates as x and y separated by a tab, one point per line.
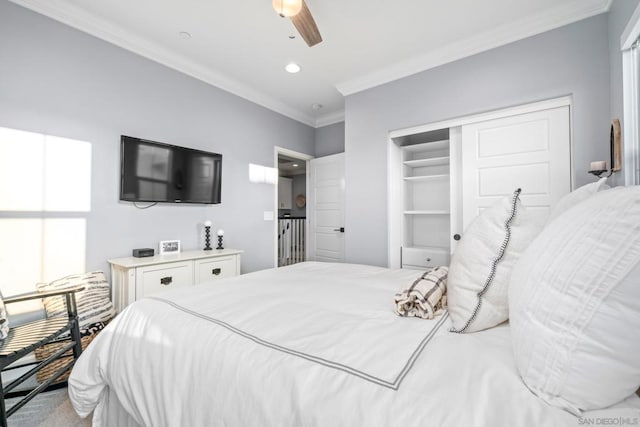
51	409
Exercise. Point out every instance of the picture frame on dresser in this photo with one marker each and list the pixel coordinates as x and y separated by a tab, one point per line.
166	247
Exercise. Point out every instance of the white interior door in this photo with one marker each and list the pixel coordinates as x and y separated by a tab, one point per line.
326	208
530	151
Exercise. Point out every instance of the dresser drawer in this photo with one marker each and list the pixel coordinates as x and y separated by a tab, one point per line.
215	268
155	278
421	258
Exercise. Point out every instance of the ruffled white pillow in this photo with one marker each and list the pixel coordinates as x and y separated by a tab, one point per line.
574	304
482	263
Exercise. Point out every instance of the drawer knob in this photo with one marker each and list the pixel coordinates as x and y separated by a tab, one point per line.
428	259
456	237
166	281
216	271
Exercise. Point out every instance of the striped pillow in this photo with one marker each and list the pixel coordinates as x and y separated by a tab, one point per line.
4	320
94	303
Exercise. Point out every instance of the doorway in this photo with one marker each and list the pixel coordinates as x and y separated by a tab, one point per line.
291	226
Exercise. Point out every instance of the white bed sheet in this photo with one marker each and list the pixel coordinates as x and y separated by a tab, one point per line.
313	344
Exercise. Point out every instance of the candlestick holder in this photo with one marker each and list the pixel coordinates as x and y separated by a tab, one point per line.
207	238
219	243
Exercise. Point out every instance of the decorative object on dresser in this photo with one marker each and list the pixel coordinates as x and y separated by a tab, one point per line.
143	252
169	247
220	235
207	235
135	278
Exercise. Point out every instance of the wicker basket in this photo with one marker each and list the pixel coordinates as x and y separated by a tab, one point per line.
47	350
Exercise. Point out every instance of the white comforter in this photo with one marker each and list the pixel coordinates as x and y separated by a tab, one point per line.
313	344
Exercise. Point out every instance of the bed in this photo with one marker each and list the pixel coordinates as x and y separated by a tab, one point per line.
312	344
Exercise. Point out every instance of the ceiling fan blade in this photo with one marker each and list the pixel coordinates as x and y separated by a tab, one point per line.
306	26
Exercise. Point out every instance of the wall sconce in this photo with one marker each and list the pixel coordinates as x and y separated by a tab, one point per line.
599	168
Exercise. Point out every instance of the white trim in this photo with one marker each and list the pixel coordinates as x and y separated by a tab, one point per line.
481	117
126	40
330	119
553	18
631	31
631	103
62	11
296	155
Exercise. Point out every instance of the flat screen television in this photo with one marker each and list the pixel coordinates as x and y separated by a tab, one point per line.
156	172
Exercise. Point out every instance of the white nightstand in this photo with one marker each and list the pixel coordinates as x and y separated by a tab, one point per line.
133	278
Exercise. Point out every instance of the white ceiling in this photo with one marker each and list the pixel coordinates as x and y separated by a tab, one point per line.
242	46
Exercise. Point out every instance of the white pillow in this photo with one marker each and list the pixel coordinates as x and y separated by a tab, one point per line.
93	303
576	196
481	265
574	301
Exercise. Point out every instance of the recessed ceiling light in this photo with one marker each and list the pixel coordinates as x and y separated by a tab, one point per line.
292	68
295	165
184	35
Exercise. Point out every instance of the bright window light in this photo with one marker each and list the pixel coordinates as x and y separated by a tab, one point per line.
45	194
44	173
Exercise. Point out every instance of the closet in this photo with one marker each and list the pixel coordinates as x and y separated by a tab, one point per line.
443	174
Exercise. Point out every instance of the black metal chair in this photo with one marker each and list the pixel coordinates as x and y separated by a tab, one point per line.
24	339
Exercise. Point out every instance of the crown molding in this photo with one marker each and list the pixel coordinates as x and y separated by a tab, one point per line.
62	12
557	17
330	119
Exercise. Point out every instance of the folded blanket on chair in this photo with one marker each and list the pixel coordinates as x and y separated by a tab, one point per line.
426	297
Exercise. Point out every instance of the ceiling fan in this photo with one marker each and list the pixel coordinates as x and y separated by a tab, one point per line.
301	17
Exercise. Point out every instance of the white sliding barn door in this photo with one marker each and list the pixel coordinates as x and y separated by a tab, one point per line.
530	151
326	208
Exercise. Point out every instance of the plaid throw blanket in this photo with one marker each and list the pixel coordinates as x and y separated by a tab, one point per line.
426	297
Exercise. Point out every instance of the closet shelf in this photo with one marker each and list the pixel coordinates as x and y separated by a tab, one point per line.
427	212
426	177
427	146
434	161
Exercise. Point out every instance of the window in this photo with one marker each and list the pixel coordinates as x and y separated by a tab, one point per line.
630	41
45	196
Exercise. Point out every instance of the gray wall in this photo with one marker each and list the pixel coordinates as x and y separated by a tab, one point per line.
59	81
573	60
619	15
329	140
